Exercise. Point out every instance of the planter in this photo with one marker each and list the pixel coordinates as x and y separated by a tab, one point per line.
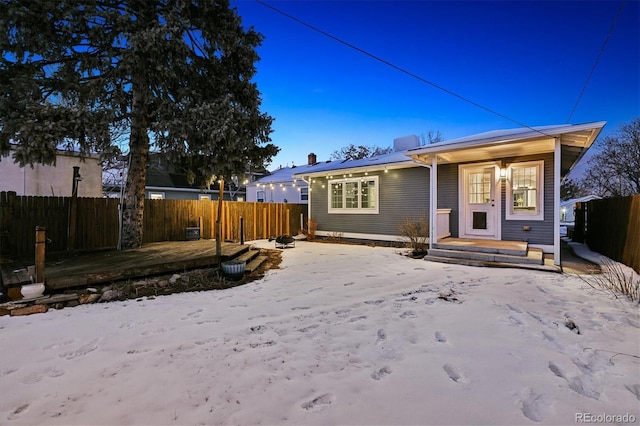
31	291
234	269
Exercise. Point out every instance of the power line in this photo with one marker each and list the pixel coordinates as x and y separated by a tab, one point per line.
595	64
396	67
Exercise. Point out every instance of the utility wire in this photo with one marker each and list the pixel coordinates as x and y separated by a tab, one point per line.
396	67
595	64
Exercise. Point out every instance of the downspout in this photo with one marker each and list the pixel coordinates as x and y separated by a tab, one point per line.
308	201
433	208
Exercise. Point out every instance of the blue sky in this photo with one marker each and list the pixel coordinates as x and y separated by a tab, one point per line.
525	60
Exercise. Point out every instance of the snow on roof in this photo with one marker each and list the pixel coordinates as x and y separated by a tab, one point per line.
377	162
580	200
507	135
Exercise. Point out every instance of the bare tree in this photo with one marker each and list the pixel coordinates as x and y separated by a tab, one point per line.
615	170
353	152
431	137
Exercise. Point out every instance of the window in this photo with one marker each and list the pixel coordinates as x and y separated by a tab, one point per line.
260	196
204	197
480	188
304	194
156	195
354	195
525	191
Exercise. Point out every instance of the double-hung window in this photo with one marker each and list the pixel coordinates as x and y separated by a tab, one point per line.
525	191
354	195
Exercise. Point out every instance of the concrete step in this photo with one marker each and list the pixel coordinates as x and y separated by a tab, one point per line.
533	257
471	262
255	263
248	255
511	248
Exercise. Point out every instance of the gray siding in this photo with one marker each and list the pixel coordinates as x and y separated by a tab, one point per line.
403	193
541	231
448	194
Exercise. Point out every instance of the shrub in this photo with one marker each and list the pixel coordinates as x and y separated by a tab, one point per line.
615	279
415	232
310	232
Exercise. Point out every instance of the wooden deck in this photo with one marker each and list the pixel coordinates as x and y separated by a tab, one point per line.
111	265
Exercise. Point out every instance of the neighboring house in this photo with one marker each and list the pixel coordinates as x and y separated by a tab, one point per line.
56	180
567	208
164	183
500	185
280	186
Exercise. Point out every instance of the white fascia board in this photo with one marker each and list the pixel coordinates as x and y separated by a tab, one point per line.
361	169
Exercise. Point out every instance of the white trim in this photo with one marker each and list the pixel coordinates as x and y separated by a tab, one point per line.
357	235
358	210
433	203
204	197
539	215
497	200
546	248
557	160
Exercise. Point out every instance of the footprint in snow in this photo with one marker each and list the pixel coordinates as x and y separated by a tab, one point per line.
382	335
408	314
319	403
535	406
576	384
440	337
452	373
349	283
384	371
634	389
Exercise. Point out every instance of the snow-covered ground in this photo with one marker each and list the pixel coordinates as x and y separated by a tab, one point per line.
341	334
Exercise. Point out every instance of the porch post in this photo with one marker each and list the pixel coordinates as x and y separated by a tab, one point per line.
557	162
433	202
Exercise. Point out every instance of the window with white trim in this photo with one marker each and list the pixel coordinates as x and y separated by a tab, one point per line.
304	194
260	196
204	197
525	191
156	195
354	195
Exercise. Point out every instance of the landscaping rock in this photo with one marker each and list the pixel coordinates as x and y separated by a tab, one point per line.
109	295
174	278
88	298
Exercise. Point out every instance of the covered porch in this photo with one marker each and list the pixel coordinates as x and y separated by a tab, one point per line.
504	191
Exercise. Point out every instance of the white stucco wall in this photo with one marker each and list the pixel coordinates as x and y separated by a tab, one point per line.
55	180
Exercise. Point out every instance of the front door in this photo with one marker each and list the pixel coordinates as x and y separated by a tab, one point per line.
479	202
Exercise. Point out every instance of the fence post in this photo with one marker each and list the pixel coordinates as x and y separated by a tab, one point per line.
41	240
579	223
241	230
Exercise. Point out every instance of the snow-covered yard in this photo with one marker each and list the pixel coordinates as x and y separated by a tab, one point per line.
340	334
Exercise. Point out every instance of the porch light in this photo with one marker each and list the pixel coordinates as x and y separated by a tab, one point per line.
503	173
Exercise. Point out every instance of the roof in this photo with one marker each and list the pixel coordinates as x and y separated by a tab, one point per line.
580	200
394	160
281	175
575	140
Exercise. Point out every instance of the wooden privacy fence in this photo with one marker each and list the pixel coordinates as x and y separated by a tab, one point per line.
93	223
613	228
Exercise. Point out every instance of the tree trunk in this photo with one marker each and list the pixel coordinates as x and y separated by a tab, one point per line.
133	211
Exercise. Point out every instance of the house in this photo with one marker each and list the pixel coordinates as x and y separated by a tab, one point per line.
56	180
496	186
164	182
568	207
280	186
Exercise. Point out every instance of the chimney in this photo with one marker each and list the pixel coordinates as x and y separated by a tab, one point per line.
312	159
